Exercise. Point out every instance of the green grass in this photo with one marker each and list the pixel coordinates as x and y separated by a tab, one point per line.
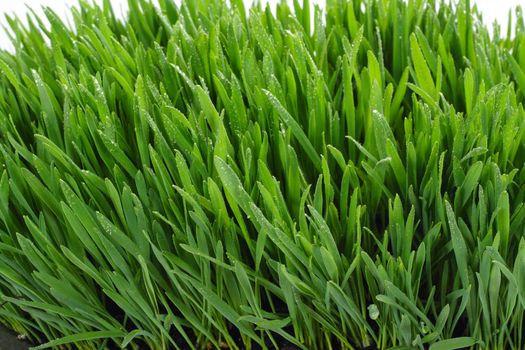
209	175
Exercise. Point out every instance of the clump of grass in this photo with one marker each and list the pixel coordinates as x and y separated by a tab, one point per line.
208	175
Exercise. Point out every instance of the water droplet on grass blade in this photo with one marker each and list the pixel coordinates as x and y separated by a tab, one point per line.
373	311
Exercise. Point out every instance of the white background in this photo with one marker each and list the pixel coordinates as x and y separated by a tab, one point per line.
491	9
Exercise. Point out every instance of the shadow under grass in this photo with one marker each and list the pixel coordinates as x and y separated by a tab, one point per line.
10	341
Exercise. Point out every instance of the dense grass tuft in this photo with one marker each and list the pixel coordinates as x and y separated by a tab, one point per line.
206	175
